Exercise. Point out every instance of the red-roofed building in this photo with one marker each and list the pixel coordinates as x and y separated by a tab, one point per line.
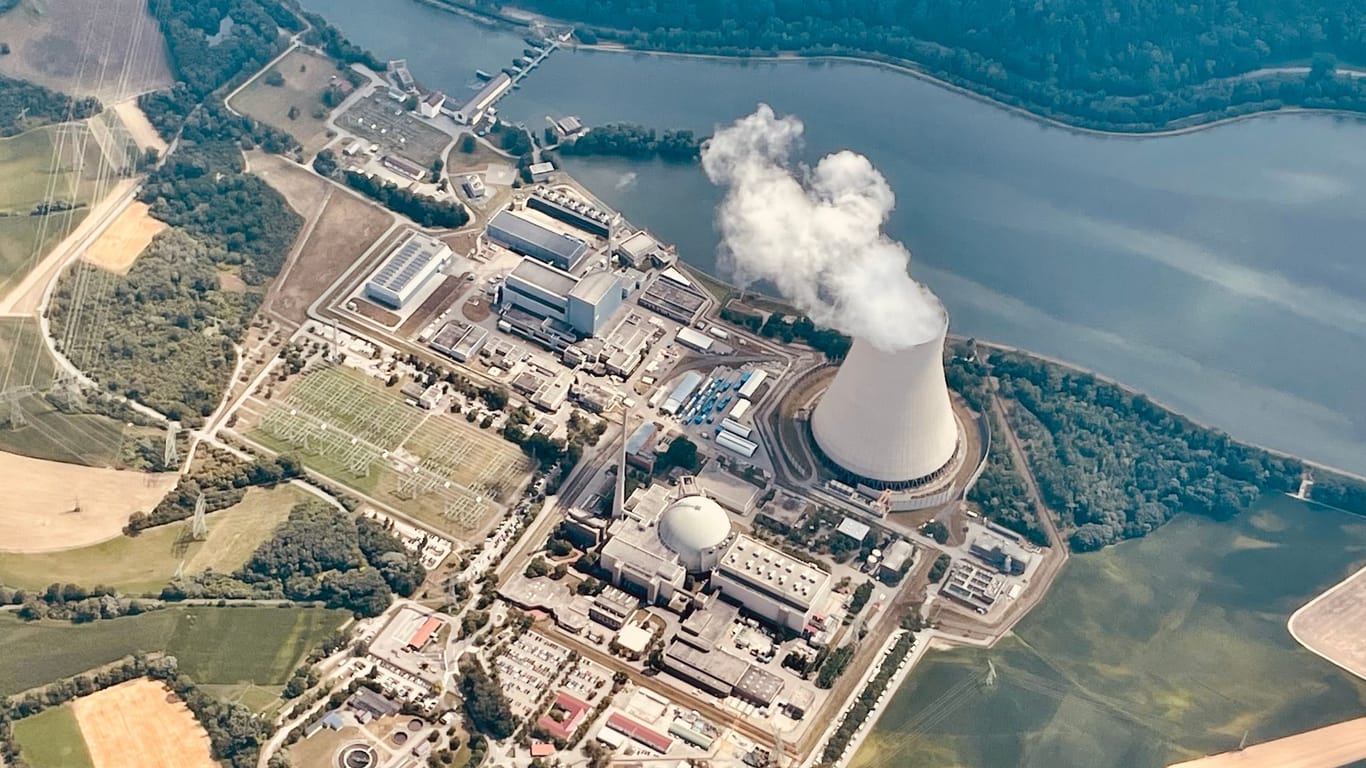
542	749
650	738
575	709
424	633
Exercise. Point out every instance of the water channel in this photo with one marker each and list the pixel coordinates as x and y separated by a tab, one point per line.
1222	271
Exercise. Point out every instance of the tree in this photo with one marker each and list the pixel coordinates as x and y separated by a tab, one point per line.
274	78
325	162
468	143
293	112
485	703
937	531
940	567
681	453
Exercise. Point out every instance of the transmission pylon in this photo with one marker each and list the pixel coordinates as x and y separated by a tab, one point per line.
991	674
170	455
199	526
16	414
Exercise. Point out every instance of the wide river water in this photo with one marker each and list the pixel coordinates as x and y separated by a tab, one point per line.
1221	271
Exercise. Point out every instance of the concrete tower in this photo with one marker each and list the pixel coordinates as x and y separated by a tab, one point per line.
886	420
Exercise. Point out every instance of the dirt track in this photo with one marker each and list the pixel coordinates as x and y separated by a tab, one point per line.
1328	747
45	520
141	724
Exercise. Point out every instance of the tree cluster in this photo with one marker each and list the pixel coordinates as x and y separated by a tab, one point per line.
834	666
253	40
485	703
632	140
423	209
1113	464
318	554
834	344
863	705
25	105
334	44
1126	65
222	480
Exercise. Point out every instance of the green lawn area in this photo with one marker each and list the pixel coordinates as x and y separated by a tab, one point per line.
306	77
21	341
145	563
52	739
214	645
58	162
248	645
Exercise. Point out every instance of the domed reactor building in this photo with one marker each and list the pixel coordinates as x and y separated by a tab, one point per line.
887	425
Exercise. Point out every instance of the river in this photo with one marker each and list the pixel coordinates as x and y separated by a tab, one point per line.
1220	271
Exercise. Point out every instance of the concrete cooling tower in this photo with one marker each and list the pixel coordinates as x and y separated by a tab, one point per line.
886	420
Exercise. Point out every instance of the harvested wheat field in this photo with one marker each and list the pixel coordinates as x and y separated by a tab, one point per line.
65	505
1331	624
139	127
1332	746
118	247
141	724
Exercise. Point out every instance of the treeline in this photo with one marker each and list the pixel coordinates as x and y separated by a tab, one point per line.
25	105
203	188
863	705
1127	65
631	140
423	209
235	733
318	554
334	44
1114	465
253	40
485	704
223	480
779	326
74	603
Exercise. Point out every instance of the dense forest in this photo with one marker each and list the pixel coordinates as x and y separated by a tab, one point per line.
1114	465
163	334
24	105
318	554
631	140
1127	65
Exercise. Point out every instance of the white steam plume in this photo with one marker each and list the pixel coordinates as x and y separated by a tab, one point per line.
816	233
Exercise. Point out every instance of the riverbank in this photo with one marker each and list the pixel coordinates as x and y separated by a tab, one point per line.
522	19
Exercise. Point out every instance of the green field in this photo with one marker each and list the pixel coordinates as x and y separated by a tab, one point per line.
1145	653
52	739
59	162
248	645
306	77
224	645
145	563
443	471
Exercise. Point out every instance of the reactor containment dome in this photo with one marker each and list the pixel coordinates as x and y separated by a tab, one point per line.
696	529
886	421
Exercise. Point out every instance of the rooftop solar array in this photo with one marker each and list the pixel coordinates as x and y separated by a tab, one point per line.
407	262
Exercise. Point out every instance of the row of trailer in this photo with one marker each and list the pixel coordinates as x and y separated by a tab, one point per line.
722	399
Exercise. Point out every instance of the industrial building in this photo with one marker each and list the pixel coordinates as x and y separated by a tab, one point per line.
459	340
584	304
406	269
895	560
564	207
432	104
474	110
886	422
521	235
1004	555
637	249
473	186
770	583
404	167
540	171
679	301
640	447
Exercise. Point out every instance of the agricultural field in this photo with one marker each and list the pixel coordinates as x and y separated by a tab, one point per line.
305	77
66	505
143	564
215	646
114	726
118	246
443	471
110	49
52	739
60	162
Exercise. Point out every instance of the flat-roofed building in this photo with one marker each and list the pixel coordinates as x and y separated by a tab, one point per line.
474	110
540	171
637	249
565	207
733	492
1004	555
895	560
771	583
524	236
613	607
459	340
406	269
584	304
673	300
592	302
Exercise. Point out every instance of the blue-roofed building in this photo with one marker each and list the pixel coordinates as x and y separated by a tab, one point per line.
406	269
521	235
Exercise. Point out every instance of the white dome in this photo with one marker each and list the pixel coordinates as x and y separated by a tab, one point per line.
695	528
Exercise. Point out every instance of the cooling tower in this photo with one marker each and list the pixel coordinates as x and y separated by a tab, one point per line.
886	420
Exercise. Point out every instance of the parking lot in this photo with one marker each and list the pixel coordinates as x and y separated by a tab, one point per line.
528	669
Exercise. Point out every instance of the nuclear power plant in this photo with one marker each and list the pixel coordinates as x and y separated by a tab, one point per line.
886	422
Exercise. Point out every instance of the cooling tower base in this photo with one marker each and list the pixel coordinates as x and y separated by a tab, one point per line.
926	483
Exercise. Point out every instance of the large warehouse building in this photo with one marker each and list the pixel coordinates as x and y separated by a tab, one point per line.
886	422
406	269
585	304
524	236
